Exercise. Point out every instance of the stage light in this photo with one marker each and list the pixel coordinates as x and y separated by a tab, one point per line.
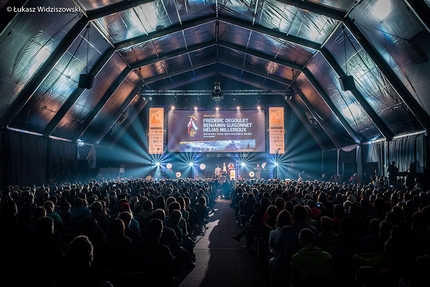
190	164
276	163
195	108
172	107
237	108
242	164
258	107
157	163
217	108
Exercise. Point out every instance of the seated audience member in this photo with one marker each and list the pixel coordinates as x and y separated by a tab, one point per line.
283	219
30	228
49	206
99	213
42	254
64	213
288	240
419	234
400	270
79	271
269	223
134	224
254	226
126	217
370	241
202	212
12	238
155	258
145	214
345	246
310	262
168	236
25	211
114	253
184	241
327	235
182	222
92	230
79	212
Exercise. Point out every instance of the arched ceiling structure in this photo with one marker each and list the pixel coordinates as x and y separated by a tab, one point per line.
274	52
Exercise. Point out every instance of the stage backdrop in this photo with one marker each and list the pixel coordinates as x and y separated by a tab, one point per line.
216	131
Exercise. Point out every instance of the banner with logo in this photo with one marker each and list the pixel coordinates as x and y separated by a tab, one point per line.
276	130
156	131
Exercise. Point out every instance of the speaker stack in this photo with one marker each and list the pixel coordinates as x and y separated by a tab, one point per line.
86	81
347	83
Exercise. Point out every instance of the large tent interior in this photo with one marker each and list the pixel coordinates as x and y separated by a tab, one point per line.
78	80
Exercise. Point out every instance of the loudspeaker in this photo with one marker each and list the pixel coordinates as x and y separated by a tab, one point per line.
85	81
347	83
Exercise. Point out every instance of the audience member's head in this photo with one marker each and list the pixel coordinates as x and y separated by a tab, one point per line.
80	252
116	229
306	236
126	217
159	213
154	228
175	216
283	219
299	213
44	227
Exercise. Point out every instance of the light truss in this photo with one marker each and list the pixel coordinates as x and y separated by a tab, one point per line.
155	93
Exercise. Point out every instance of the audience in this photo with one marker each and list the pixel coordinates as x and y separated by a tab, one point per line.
79	271
338	222
155	258
310	262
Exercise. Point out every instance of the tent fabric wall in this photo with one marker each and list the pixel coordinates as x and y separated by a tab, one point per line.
402	150
29	159
24	158
407	150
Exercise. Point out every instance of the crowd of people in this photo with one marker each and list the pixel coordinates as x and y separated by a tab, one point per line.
100	233
340	234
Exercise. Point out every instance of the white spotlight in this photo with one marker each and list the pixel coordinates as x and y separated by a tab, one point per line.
157	163
242	164
190	164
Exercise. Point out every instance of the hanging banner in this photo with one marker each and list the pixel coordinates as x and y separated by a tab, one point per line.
276	130
156	131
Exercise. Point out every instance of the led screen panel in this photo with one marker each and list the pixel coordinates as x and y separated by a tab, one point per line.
216	131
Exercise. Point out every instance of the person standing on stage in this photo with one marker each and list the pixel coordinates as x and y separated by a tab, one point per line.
231	171
217	171
263	170
392	173
258	171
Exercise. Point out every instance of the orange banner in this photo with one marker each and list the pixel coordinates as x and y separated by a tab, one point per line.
156	131
276	130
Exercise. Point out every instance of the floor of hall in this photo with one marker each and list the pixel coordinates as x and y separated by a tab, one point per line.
221	261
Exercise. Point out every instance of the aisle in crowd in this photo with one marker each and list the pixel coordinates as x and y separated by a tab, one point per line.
200	233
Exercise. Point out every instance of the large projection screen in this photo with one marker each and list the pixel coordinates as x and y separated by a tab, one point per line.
216	131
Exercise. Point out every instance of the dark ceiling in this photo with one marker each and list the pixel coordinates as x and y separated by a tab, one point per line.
261	52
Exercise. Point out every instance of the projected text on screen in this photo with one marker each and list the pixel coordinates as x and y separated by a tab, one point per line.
216	131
